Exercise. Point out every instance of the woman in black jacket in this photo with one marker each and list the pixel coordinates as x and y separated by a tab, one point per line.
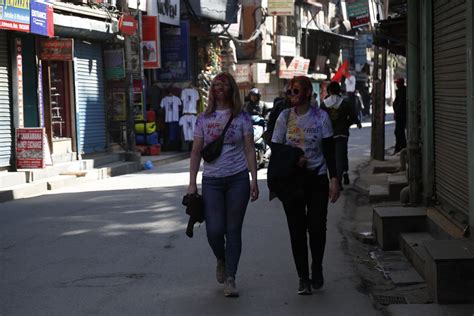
302	154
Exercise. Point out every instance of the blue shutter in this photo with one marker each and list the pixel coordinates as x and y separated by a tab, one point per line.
5	110
89	95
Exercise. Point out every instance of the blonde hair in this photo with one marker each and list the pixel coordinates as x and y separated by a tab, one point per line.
235	104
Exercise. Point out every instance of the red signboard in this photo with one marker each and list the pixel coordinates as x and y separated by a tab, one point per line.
29	148
150	44
128	25
56	49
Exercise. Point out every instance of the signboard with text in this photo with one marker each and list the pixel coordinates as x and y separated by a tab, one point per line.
281	7
56	49
114	64
241	73
41	18
298	67
286	45
168	11
175	54
29	148
358	12
15	15
150	43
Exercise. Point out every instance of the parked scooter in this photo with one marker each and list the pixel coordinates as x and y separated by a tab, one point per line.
261	147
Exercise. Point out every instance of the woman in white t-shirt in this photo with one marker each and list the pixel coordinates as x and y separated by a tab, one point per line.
303	135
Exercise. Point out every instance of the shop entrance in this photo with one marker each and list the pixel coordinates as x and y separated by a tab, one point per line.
58	106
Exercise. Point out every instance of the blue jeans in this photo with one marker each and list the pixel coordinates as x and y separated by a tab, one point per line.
225	203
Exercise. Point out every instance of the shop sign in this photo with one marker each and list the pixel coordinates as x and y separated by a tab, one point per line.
281	7
298	67
41	18
286	45
29	148
358	12
114	64
128	25
150	42
56	49
241	73
175	54
260	74
360	50
19	80
15	15
168	11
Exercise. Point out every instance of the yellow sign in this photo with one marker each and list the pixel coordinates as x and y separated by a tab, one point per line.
281	7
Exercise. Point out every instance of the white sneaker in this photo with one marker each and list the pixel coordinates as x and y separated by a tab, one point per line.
220	271
229	288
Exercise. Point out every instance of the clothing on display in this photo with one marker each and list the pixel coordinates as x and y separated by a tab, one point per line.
189	96
171	105
187	122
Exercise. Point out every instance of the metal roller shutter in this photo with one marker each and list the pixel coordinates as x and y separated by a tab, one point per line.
449	95
5	110
90	101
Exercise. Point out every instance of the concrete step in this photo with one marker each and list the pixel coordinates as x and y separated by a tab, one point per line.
33	175
23	191
63	157
105	159
378	193
385	169
389	222
412	245
396	183
120	168
9	179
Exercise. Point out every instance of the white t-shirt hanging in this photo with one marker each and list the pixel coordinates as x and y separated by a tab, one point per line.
189	97
171	106
350	83
188	122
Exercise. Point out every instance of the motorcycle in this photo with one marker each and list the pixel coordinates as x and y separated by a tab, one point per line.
261	147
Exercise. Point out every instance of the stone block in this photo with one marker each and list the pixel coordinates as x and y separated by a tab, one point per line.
412	245
389	222
450	271
378	193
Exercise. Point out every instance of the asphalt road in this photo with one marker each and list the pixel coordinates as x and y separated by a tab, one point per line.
117	247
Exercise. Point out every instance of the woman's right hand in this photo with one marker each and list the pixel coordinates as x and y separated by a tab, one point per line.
192	188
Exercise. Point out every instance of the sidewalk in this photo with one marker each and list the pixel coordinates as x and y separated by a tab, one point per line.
34	182
387	276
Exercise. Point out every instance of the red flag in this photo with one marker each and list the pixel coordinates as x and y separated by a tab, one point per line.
343	71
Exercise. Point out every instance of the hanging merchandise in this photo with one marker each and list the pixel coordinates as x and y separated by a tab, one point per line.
189	96
171	105
187	122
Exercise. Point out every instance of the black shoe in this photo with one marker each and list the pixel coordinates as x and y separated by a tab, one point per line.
318	280
305	287
346	178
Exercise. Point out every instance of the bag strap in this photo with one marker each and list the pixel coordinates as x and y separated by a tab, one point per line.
227	125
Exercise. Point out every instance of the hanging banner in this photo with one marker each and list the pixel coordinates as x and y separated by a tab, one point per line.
298	67
281	7
358	12
56	49
175	54
29	148
15	15
41	17
150	42
19	80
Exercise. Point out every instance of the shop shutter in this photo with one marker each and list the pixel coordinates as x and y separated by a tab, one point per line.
449	97
5	110
89	95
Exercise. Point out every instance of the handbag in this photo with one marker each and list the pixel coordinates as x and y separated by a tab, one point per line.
211	151
195	209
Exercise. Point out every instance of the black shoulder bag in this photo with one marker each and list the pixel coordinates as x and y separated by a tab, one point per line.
211	151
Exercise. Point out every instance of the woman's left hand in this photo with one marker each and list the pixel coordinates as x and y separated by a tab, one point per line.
253	191
334	190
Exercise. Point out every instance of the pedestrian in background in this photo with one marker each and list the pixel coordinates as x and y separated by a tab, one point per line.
303	150
342	116
226	187
254	106
400	115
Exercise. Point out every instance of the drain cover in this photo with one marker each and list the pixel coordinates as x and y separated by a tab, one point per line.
389	299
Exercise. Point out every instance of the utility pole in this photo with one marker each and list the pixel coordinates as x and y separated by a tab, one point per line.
377	148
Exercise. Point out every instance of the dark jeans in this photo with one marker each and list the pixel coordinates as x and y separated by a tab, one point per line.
225	203
400	138
342	161
308	215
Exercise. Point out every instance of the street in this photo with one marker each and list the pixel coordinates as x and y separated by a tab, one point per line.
117	247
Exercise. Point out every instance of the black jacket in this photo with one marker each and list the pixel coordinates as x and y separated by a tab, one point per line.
284	174
342	116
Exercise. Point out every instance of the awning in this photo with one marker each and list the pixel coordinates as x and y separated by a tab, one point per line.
89	29
392	34
315	28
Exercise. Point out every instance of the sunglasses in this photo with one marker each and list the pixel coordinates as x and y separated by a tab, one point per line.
292	92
